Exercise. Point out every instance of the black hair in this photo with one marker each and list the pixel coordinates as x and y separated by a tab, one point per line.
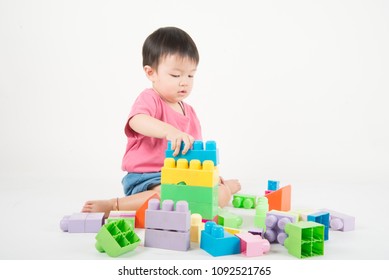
168	41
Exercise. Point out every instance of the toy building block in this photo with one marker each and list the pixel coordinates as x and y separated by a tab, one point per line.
198	194
245	201
140	213
117	238
275	225
167	228
217	242
197	152
280	199
260	212
305	239
82	222
321	218
196	226
253	245
228	219
273	185
340	221
195	173
117	215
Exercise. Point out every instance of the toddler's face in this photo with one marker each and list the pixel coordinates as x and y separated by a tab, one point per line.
173	79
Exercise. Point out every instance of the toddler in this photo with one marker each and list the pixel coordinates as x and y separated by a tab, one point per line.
159	114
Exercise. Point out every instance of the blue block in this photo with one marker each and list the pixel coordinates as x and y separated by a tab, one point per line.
321	218
273	185
217	242
197	152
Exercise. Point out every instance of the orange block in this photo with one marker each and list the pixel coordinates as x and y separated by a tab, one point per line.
280	199
140	213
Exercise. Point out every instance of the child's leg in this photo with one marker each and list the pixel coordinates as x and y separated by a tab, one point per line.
226	189
132	202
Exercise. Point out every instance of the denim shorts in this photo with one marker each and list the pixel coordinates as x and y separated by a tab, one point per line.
139	182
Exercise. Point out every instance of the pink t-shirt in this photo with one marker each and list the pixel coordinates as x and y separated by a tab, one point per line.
147	154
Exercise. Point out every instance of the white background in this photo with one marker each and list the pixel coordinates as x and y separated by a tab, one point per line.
291	90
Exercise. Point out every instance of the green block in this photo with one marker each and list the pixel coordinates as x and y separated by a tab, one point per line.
117	238
190	193
131	220
228	219
305	239
207	211
245	201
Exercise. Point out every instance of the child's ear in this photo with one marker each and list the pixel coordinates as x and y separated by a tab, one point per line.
150	72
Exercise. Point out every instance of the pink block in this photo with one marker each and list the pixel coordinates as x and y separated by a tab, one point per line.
253	245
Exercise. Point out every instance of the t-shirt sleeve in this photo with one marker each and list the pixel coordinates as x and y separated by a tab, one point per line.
145	104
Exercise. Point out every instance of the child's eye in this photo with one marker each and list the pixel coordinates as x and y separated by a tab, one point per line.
190	76
175	76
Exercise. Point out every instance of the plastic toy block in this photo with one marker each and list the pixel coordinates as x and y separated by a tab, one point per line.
228	219
275	225
280	199
197	152
260	212
117	238
190	193
340	221
305	239
82	222
117	215
273	185
140	213
267	192
217	242
165	217
170	240
192	174
196	226
167	228
253	245
321	218
245	201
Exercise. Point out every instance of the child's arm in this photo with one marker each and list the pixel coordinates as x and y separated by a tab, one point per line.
152	127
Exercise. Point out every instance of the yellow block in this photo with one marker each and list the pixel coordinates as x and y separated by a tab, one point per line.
196	226
193	174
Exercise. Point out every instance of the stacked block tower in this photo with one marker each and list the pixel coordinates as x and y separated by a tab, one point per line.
193	177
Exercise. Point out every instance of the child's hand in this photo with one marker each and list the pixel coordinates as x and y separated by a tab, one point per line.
176	137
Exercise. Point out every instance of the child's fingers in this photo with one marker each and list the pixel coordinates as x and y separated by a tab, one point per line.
188	144
177	147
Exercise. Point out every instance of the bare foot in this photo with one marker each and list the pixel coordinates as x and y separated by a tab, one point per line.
105	206
233	185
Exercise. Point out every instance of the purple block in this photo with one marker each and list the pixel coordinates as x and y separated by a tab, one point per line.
340	221
167	218
170	240
82	222
93	222
275	225
76	223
